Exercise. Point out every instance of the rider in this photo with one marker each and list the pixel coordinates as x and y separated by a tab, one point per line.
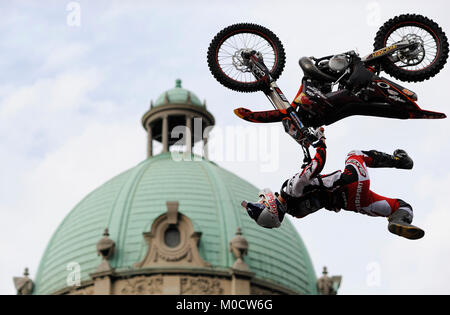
307	192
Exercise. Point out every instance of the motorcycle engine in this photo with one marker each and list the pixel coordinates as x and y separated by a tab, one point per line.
338	63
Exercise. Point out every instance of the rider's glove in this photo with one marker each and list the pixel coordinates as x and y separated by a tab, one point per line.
320	137
308	135
320	133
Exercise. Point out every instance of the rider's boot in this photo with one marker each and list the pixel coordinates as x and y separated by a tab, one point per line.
400	159
400	224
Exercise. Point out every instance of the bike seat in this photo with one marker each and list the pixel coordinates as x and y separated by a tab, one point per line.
311	71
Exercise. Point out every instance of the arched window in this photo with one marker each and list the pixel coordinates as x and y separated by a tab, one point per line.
172	236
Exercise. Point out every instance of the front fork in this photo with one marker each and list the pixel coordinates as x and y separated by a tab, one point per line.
293	125
280	102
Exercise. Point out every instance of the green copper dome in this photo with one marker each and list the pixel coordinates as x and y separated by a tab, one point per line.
177	95
209	195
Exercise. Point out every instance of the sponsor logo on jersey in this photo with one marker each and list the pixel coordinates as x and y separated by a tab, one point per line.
359	167
358	196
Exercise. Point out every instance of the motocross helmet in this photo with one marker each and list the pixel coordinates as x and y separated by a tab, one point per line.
268	212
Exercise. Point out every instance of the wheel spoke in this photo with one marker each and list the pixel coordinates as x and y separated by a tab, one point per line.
230	60
414	60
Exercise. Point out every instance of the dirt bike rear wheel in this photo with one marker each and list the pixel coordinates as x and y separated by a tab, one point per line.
224	56
434	49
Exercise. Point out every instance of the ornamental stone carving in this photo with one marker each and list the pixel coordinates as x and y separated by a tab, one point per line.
328	285
172	241
143	285
105	248
83	291
24	285
256	290
191	285
239	248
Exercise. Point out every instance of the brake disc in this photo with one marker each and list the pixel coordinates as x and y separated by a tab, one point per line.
412	56
239	62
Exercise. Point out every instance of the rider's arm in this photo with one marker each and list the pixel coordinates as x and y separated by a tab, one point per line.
300	180
316	166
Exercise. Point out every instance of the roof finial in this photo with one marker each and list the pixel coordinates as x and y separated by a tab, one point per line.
328	285
24	285
188	99
105	248
239	248
178	83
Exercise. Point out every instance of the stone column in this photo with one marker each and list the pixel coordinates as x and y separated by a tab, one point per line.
205	149
188	134
150	142
165	134
205	143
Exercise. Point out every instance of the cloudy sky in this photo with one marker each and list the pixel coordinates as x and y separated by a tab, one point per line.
73	91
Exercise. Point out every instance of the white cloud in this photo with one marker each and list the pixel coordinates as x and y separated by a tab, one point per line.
67	90
64	56
54	185
422	267
53	154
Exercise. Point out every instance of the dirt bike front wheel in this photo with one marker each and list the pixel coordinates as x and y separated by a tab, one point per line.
225	56
422	63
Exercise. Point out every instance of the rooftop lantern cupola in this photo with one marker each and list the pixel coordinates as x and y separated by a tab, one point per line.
173	109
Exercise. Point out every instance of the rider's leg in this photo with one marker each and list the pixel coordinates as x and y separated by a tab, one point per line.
361	199
400	222
399	213
400	159
358	188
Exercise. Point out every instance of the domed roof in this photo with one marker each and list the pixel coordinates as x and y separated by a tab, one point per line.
209	195
177	95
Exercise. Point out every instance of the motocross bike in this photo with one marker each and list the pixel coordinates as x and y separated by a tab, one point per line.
248	57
